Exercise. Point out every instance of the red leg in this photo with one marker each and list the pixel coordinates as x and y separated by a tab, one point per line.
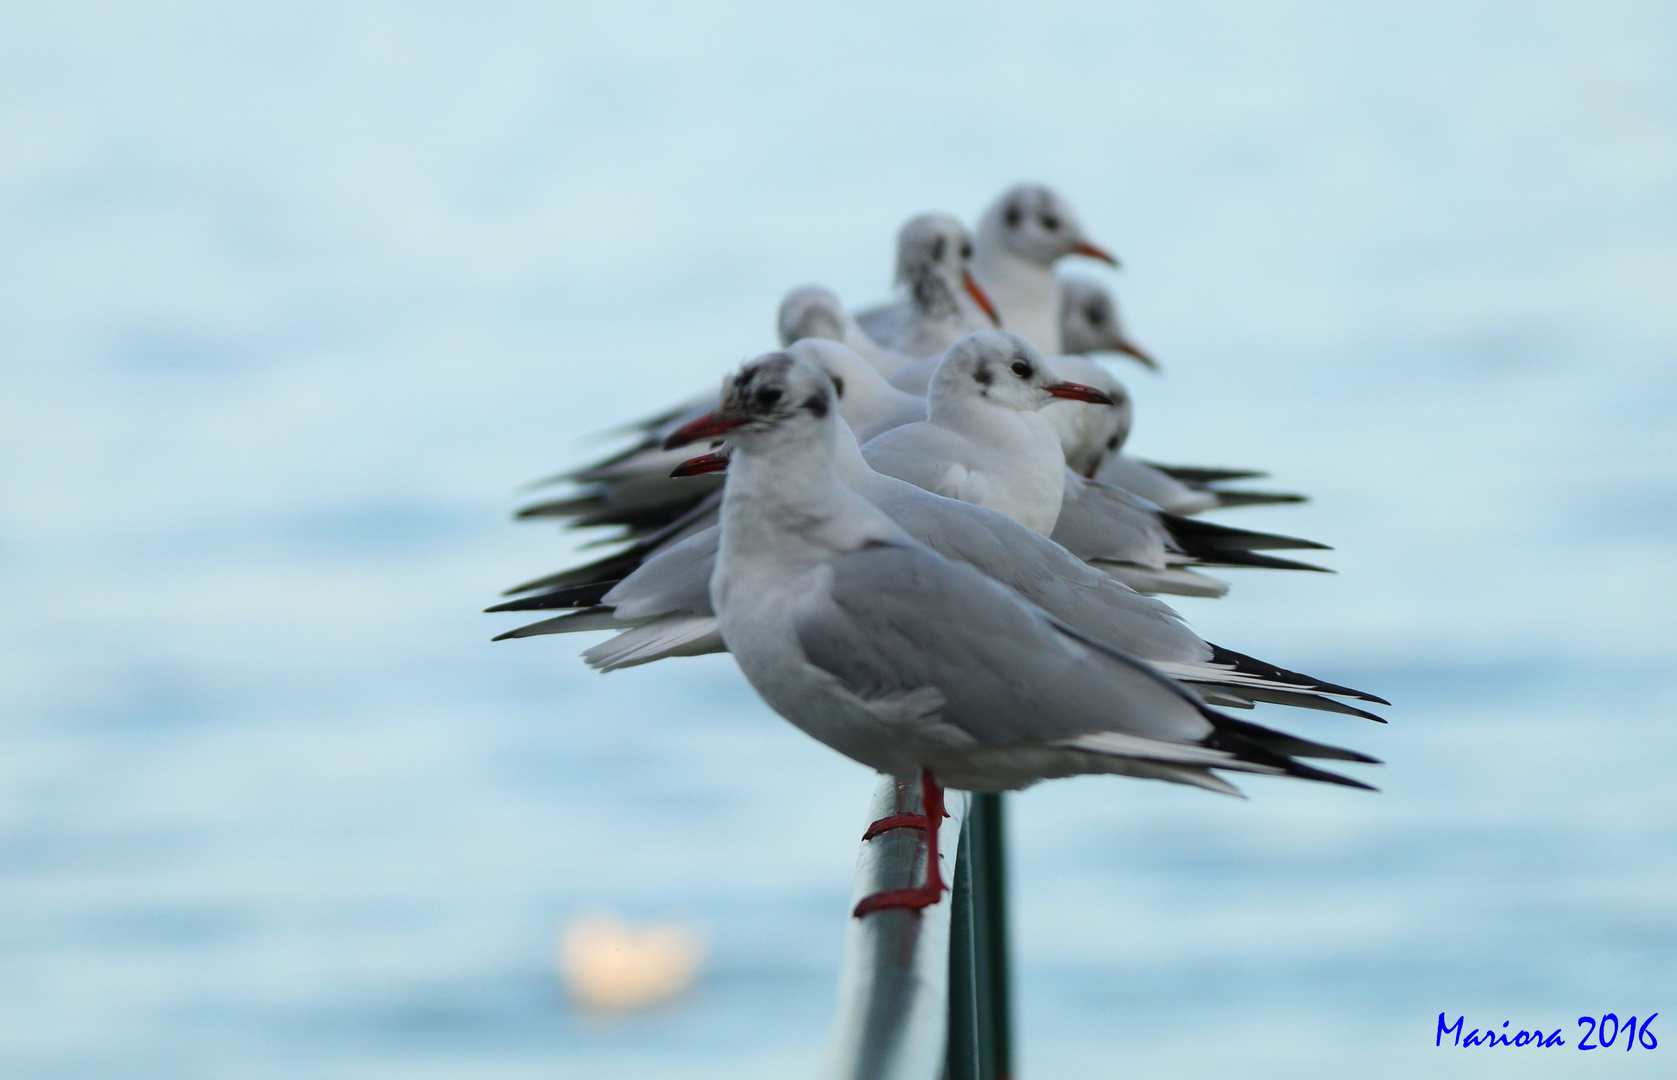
895	821
929	893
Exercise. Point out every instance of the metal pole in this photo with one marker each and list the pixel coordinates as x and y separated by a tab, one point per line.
990	872
964	1051
980	1020
892	1015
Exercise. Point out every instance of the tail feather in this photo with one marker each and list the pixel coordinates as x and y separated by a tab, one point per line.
1197	537
598	618
1229	499
1248	665
1199	475
575	596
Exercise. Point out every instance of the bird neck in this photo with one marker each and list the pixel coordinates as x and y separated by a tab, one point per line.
789	506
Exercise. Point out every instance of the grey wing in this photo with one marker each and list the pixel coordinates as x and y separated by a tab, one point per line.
1099	522
920	453
884	323
1142	479
1044	573
899	618
676	579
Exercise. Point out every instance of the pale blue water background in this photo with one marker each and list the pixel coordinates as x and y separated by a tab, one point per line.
293	300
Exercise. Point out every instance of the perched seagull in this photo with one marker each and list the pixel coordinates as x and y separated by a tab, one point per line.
663	607
941	302
917	666
1020	238
636	489
813	311
984	440
1089	322
991	457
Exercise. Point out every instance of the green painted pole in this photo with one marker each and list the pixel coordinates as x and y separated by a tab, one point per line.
964	1046
980	1013
990	880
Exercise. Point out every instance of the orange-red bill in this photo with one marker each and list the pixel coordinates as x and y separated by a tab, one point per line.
708	426
1094	252
1130	348
702	464
980	297
1078	392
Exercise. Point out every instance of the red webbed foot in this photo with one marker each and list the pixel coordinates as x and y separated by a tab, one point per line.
932	891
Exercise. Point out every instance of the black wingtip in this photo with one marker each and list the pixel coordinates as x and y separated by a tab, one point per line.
1199	475
576	596
1253	559
1229	500
1196	536
1251	665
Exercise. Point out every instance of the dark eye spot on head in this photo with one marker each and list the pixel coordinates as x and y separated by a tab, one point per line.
767	396
817	404
1050	222
1096	313
966	250
1012	215
981	375
838	384
1112	443
1022	369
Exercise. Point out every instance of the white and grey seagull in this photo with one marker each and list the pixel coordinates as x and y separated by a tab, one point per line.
662	607
918	666
940	301
1020	238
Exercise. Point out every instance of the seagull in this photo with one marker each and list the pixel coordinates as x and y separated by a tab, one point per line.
1126	536
636	489
1092	439
1089	322
917	666
941	302
984	440
662	608
814	311
1020	238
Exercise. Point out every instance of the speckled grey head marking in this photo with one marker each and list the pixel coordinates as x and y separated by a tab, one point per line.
761	388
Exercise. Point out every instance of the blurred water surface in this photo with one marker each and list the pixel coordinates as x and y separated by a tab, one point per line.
294	299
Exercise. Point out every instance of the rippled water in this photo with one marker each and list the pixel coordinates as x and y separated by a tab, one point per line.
295	299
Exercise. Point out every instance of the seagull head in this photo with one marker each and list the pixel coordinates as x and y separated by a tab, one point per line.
811	311
840	363
1089	435
1089	322
932	255
1033	223
774	400
1002	370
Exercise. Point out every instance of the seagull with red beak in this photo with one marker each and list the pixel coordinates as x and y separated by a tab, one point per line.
985	440
1021	237
941	301
1089	322
921	667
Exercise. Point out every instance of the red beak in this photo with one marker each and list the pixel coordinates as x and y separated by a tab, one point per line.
981	298
1130	348
702	464
1086	248
1079	392
708	426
